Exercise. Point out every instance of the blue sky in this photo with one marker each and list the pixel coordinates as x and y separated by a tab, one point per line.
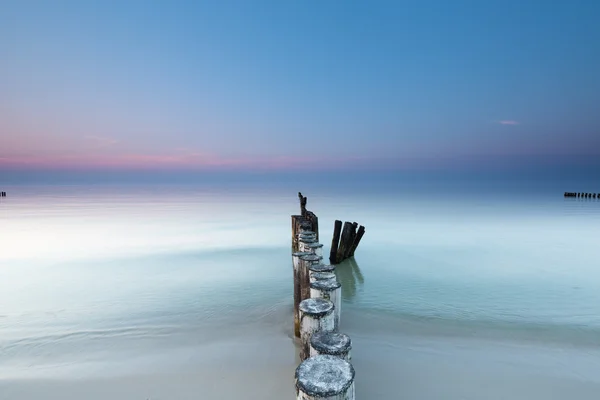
279	84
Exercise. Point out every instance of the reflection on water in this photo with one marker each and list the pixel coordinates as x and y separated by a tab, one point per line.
349	275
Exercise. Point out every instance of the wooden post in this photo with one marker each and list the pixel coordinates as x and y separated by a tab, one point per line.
325	377
350	240
346	233
357	238
304	272
332	343
296	221
335	241
321	268
320	276
314	222
316	248
329	290
315	315
303	243
297	289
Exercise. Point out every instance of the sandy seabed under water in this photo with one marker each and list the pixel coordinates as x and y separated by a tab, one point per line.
410	367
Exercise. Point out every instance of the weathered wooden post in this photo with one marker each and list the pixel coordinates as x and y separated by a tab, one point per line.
321	268
316	248
350	240
321	276
297	289
329	289
296	221
346	233
303	243
305	262
315	315
325	377
335	241
332	343
357	238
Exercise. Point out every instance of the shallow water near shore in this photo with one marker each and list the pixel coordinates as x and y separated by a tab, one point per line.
181	292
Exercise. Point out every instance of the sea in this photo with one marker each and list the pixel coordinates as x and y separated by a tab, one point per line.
459	290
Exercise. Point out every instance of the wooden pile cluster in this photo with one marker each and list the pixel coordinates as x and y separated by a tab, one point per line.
583	195
345	242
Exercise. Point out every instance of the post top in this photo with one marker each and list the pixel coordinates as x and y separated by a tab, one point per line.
307	239
311	257
301	253
315	245
316	307
322	268
326	285
333	343
324	376
323	275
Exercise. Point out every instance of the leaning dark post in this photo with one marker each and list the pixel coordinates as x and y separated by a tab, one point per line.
325	377
315	315
346	232
359	235
350	240
335	241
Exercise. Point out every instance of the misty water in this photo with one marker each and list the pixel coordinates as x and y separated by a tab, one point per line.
185	291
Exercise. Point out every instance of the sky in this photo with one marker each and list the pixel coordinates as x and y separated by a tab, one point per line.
287	85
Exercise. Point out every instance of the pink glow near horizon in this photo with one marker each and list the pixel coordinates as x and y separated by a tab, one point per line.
174	160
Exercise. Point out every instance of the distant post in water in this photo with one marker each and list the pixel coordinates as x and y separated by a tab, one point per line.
329	289
325	377
315	315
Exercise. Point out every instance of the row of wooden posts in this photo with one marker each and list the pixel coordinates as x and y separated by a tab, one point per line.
583	195
325	371
2	194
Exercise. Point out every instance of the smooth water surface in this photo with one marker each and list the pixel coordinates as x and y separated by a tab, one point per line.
106	282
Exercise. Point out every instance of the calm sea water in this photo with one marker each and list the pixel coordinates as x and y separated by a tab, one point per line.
115	280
